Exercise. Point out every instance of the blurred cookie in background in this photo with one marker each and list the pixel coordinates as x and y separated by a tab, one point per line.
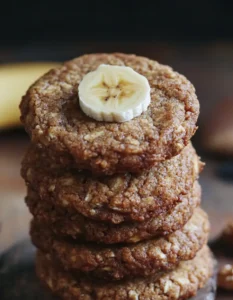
217	135
227	234
14	82
225	277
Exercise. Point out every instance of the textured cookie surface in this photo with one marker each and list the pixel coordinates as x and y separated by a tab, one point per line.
77	226
116	262
225	277
51	114
115	198
181	283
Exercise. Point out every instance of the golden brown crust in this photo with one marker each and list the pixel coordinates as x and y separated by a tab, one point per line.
181	283
51	114
114	199
75	225
116	262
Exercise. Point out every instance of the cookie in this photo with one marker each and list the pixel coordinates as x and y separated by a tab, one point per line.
118	261
51	115
75	225
217	129
114	199
181	283
225	277
227	234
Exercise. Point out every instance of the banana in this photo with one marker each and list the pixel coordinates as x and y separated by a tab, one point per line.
14	82
114	94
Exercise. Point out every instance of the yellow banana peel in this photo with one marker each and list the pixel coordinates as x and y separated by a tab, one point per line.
15	79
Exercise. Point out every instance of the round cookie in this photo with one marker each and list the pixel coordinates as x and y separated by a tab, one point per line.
51	115
117	262
75	225
225	277
181	283
114	199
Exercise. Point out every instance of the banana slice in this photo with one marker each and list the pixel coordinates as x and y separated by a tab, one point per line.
114	94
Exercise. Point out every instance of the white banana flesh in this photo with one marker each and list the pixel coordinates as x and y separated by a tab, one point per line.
114	94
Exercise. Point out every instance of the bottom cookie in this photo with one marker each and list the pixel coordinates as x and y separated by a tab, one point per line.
181	283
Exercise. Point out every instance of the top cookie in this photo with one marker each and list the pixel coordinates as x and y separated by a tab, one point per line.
51	114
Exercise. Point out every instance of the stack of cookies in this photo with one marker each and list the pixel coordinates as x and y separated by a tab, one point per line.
112	184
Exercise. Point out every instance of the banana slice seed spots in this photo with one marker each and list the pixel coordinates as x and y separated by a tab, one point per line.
123	89
114	93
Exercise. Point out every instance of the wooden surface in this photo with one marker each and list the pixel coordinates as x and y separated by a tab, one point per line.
14	217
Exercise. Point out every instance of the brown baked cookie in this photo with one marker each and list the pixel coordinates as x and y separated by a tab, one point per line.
51	115
225	277
181	283
116	198
64	224
118	261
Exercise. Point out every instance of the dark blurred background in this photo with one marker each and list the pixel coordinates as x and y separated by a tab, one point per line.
58	21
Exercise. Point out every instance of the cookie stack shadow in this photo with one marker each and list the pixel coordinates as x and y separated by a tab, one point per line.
120	236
